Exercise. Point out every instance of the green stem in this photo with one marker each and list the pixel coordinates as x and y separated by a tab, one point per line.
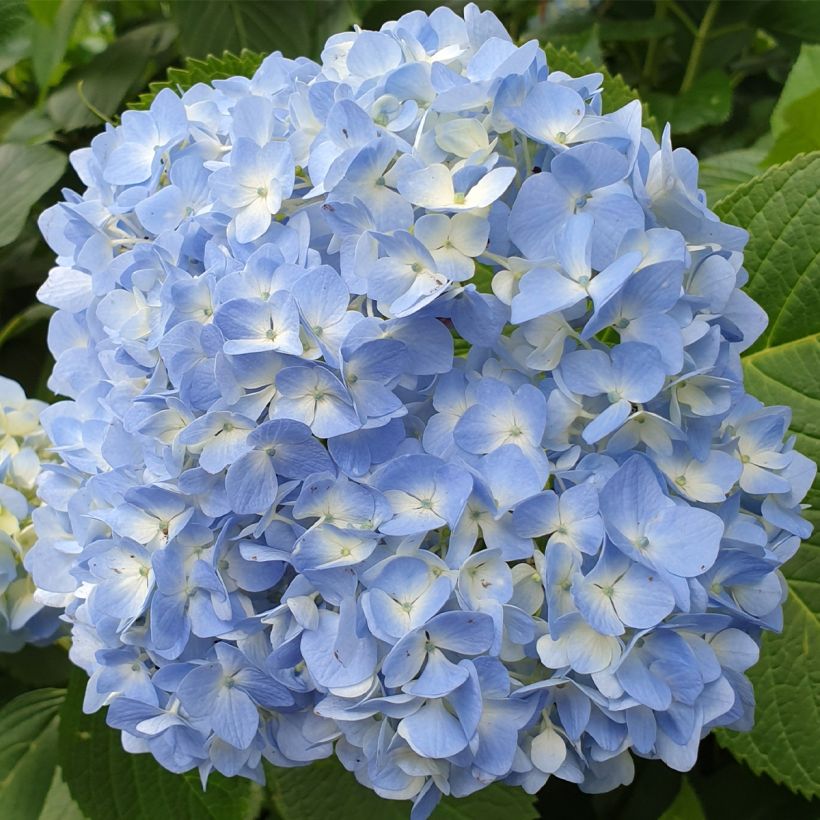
23	321
90	106
682	16
648	72
697	47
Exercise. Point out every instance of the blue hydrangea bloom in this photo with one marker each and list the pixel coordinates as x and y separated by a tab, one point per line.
327	490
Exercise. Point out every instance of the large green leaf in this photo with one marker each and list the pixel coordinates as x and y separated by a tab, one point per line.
53	23
720	174
794	120
616	93
326	789
26	173
100	86
15	32
781	211
294	27
493	803
109	783
28	752
795	18
801	129
803	79
59	804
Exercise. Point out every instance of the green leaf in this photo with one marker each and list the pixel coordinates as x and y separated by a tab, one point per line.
14	16
796	18
109	783
800	132
326	789
708	102
26	173
50	35
782	214
28	752
16	24
616	93
493	803
803	79
59	804
294	27
202	71
110	77
781	211
685	806
720	174
31	128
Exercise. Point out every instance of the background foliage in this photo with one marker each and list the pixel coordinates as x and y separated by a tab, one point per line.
740	84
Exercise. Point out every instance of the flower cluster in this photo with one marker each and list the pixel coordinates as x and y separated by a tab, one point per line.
295	518
23	449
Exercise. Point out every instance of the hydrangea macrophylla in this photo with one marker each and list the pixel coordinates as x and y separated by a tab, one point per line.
293	521
24	448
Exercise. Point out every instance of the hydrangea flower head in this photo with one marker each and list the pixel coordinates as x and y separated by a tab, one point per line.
24	448
405	422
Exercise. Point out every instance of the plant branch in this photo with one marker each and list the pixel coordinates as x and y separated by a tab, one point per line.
683	17
696	53
648	73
